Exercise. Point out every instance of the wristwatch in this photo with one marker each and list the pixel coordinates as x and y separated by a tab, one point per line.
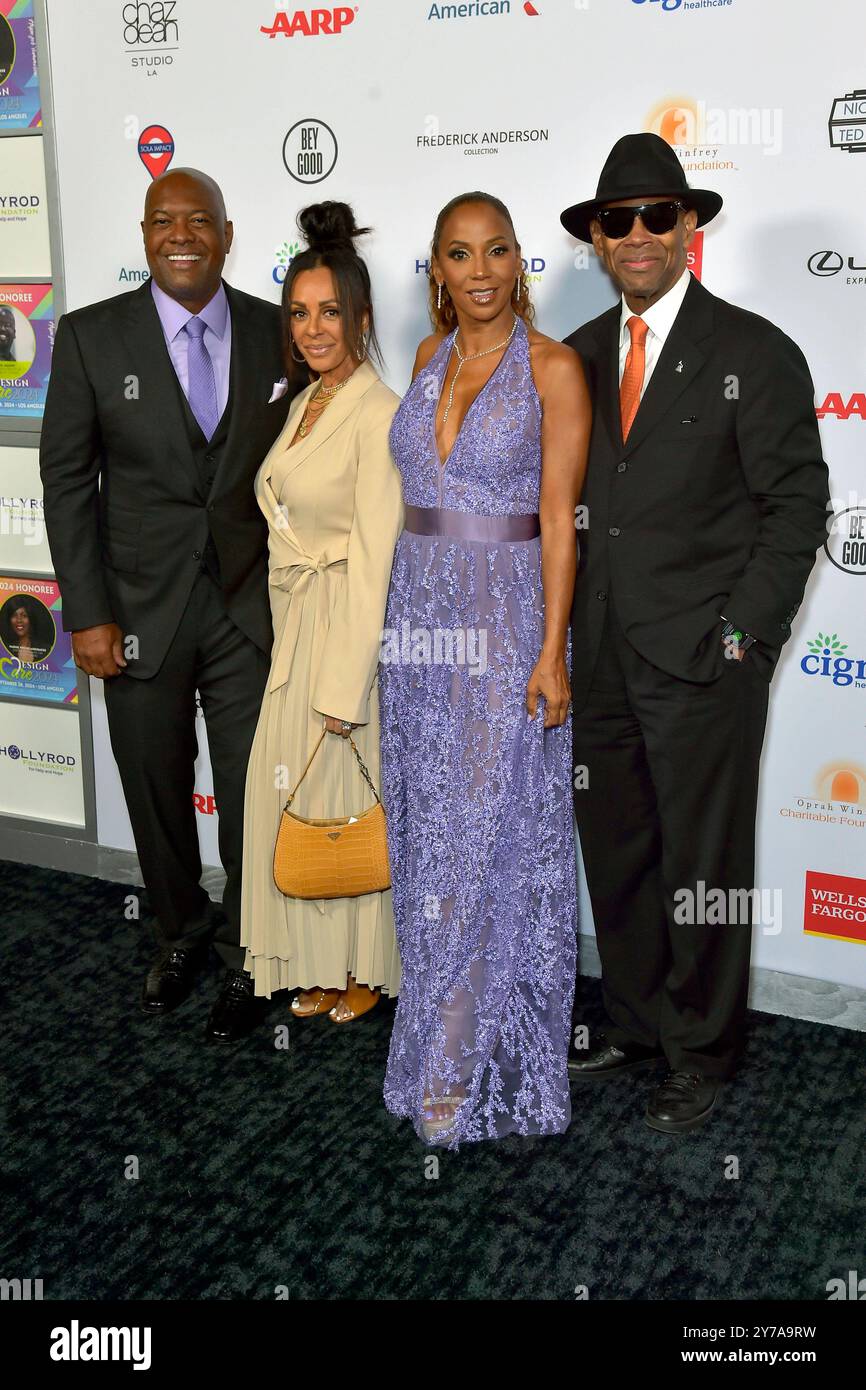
741	641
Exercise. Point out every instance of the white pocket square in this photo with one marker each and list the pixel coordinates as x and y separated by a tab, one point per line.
280	389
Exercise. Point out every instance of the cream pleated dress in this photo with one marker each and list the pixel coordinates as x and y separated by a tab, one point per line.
334	511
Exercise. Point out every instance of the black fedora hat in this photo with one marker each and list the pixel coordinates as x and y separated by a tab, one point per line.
640	166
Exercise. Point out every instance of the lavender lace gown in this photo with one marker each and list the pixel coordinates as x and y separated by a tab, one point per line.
478	797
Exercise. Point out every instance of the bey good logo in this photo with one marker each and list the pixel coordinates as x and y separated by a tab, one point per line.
310	22
310	151
847	124
156	149
835	907
826	657
846	540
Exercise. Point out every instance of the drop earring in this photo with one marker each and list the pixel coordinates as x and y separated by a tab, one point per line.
439	295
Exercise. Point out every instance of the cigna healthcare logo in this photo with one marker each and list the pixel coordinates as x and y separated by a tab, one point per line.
835	906
847	124
667	6
284	254
826	659
150	33
310	23
310	150
156	149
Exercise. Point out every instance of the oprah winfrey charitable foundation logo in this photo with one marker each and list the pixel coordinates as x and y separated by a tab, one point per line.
837	797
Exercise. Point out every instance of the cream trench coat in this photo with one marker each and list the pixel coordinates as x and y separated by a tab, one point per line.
334	511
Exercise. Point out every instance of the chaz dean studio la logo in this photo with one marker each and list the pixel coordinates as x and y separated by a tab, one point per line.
151	33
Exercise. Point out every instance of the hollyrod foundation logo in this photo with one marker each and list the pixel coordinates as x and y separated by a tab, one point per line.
533	266
310	22
826	658
847	124
37	758
835	907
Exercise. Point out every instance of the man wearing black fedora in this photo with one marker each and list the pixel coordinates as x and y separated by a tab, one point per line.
706	495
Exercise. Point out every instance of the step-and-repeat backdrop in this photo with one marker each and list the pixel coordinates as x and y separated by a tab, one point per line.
397	105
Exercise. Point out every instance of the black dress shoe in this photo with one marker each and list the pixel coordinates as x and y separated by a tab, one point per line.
236	1011
683	1101
603	1060
169	980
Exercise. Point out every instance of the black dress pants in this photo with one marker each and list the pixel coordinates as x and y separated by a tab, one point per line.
153	738
668	815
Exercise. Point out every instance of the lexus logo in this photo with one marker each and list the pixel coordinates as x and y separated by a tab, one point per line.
825	263
831	262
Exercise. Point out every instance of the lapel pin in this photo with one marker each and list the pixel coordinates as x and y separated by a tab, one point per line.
679	366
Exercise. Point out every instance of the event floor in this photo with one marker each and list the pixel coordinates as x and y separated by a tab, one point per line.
263	1169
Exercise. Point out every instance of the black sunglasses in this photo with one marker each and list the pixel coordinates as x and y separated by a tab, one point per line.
656	217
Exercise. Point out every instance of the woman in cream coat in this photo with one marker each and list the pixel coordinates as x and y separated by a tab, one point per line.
331	495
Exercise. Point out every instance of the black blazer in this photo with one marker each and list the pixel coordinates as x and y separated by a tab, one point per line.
717	502
125	507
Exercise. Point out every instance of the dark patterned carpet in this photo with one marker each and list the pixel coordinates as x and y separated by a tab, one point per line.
260	1168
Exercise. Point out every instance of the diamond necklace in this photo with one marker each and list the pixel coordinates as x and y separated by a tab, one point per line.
470	357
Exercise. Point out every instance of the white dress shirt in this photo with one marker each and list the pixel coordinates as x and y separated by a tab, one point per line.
659	319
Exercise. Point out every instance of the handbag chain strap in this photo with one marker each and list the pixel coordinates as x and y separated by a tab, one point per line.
361	764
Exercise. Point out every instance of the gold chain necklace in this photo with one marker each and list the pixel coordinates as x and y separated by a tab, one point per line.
324	393
470	357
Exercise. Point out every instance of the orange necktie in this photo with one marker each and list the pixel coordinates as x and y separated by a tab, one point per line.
632	377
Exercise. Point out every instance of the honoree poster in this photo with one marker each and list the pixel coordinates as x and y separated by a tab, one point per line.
20	107
26	342
35	653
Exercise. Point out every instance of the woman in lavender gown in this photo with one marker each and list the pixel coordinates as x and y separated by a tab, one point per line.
491	443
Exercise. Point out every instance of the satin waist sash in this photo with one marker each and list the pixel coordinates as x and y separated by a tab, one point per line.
469	526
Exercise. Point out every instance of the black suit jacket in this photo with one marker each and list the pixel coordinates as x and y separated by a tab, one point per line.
126	510
716	503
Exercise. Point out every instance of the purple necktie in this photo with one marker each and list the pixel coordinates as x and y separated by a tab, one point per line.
200	378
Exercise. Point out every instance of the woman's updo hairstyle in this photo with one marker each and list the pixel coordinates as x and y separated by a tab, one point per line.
444	316
329	230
